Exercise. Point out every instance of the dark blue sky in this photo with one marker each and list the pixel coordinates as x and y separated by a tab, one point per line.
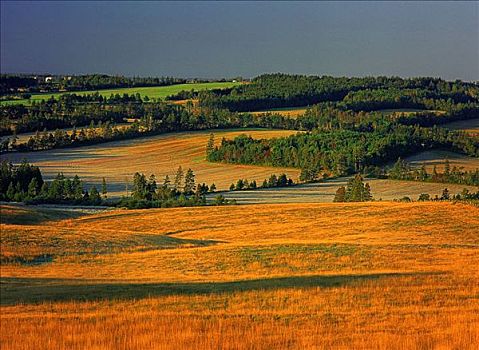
217	39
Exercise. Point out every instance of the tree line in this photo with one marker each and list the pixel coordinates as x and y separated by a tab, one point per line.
340	152
273	181
283	90
403	170
13	83
25	183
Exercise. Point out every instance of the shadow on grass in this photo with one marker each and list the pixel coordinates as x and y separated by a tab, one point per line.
20	214
36	290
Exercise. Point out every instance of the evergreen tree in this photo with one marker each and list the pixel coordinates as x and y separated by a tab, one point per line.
357	191
140	186
33	188
445	195
166	182
103	188
11	192
340	195
94	196
447	169
239	185
151	186
178	179
211	144
189	187
423	197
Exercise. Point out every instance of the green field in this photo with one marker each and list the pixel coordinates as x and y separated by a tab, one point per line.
151	91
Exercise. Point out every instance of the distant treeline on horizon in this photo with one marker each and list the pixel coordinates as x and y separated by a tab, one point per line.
13	83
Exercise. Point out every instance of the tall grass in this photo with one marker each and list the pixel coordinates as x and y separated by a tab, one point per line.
298	276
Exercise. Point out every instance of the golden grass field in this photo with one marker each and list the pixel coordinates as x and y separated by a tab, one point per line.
160	155
378	275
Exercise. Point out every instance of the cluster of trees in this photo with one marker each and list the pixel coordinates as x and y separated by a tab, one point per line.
355	191
446	195
183	191
61	138
282	90
25	183
273	181
403	170
340	152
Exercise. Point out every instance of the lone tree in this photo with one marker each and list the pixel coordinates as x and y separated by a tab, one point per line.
103	188
211	143
178	178
445	195
189	187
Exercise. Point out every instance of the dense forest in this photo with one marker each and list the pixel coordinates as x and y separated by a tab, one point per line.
341	152
283	90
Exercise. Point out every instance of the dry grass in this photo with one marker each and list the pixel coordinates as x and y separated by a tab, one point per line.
470	126
438	158
159	155
296	276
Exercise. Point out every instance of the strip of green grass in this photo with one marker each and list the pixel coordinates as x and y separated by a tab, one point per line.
152	91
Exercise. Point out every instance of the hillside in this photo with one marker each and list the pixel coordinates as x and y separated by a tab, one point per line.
160	155
284	276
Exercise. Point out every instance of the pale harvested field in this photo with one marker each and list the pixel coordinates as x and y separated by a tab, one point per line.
438	158
470	126
291	276
324	192
160	155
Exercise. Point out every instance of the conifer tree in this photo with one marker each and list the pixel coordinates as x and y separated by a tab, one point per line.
103	188
178	178
189	187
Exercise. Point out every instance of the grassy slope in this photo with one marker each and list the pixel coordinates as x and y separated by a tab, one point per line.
160	155
152	92
287	276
